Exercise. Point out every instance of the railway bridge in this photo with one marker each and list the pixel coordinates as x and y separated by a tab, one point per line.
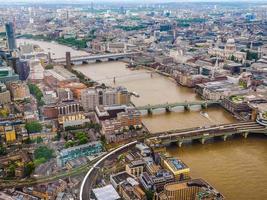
204	133
78	60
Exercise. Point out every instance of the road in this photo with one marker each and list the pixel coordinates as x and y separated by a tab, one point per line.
91	175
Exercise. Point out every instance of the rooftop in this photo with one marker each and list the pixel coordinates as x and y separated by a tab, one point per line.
106	193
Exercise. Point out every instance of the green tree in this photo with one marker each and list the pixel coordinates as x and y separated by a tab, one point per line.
68	144
27	141
29	168
131	128
4	112
39	140
81	137
103	140
83	140
43	154
33	127
11	169
2	150
35	91
57	136
149	194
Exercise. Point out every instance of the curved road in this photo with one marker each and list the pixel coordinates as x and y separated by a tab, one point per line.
85	190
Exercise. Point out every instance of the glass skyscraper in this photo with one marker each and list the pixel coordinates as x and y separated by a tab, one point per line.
10	34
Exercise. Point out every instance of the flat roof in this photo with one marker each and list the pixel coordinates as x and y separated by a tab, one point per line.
107	192
176	164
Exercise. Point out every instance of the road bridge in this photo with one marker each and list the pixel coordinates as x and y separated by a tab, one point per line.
76	60
169	106
204	133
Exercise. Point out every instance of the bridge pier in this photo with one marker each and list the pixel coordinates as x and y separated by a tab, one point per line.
149	111
187	107
180	143
204	106
224	137
168	109
202	140
245	135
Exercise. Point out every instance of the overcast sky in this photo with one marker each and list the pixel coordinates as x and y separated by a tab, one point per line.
121	1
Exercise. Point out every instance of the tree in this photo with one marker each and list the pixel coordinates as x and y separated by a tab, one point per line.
57	136
103	140
29	168
131	128
43	153
149	194
11	169
27	141
232	58
70	143
4	112
83	140
33	127
2	150
39	140
35	91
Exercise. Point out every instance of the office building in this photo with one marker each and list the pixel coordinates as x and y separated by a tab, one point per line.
10	34
192	189
158	181
7	74
22	69
179	169
91	98
131	117
135	167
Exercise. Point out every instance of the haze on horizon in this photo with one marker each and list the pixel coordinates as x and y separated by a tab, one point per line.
128	1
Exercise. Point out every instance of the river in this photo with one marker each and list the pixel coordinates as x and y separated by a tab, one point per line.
237	167
156	89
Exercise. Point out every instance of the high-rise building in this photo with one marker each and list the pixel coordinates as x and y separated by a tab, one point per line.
93	97
21	67
10	34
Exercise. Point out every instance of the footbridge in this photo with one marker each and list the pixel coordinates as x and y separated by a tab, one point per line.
76	60
204	133
169	106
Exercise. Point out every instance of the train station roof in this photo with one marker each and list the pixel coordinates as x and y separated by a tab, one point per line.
107	192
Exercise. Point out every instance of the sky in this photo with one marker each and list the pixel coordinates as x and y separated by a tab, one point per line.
143	1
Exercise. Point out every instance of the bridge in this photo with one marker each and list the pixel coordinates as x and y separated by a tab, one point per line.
204	133
169	106
76	60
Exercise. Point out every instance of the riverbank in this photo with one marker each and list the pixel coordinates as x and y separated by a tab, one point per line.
70	42
56	50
